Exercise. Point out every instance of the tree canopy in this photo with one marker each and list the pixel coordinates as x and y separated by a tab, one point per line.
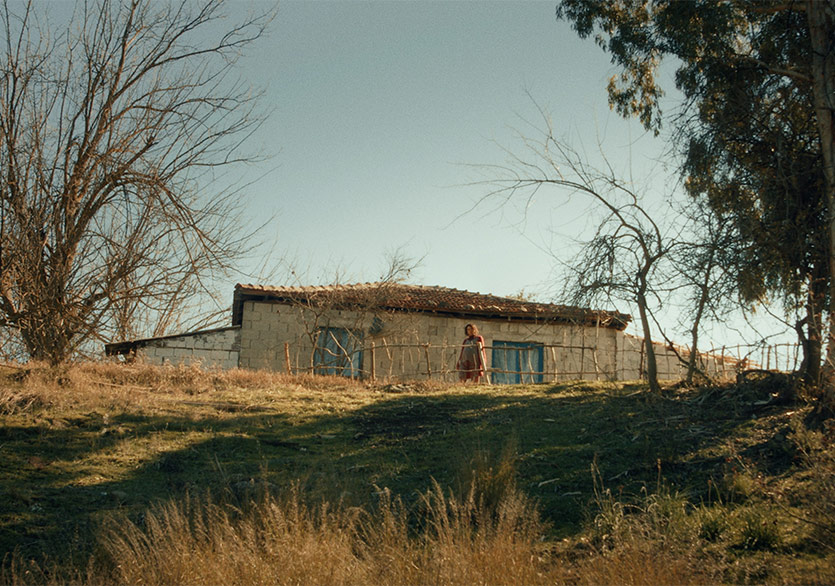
755	129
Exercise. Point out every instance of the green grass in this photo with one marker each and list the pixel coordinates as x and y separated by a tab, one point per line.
606	463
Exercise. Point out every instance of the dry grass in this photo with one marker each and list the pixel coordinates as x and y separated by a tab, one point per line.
640	563
284	541
146	466
108	384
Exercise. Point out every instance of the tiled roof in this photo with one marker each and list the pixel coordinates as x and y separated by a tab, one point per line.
423	299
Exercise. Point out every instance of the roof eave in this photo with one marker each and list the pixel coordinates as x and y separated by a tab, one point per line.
590	318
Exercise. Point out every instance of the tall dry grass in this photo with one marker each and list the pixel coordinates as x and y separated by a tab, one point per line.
643	562
110	384
485	536
282	540
480	537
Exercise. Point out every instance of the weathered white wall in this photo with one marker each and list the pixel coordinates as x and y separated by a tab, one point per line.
631	361
399	345
211	348
266	327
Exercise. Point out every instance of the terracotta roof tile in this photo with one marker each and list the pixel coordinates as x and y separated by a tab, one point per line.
424	298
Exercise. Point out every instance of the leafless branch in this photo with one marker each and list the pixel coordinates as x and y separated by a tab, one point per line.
111	136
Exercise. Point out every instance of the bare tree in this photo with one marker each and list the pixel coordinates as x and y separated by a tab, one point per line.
336	337
704	265
114	136
622	260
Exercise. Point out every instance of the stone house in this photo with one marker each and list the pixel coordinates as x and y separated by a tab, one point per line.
397	331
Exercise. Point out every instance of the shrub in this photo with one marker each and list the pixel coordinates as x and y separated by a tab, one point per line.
759	530
713	522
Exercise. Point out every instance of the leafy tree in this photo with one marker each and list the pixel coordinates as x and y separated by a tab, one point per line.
759	83
112	133
754	158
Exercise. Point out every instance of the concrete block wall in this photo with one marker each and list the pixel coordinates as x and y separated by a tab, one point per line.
415	361
266	327
212	348
632	362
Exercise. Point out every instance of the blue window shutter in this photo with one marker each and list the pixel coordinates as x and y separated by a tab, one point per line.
517	358
338	352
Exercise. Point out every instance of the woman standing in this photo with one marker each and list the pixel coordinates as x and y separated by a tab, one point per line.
471	364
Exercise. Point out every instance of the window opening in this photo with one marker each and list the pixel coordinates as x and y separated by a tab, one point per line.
338	352
517	362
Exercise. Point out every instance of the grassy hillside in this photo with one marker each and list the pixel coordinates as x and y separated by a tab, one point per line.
105	470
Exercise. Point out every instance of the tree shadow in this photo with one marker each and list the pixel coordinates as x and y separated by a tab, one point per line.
62	479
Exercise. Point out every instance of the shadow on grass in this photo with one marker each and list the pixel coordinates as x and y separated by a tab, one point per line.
60	477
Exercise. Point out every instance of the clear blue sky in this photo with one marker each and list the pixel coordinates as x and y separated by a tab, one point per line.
382	113
380	108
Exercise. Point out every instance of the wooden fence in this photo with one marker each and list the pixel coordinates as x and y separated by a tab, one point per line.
424	360
725	362
406	361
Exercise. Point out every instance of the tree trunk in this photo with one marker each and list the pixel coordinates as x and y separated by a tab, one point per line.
652	367
692	363
46	340
812	340
821	18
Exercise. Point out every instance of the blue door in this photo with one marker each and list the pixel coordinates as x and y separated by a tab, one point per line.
516	362
339	352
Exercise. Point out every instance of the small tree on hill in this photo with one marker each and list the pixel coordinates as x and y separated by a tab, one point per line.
623	259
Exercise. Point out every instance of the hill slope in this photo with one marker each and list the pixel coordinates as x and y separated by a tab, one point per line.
721	474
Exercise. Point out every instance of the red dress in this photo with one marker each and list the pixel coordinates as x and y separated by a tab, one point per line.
471	360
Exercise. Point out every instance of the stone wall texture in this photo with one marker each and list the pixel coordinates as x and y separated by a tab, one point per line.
407	346
218	348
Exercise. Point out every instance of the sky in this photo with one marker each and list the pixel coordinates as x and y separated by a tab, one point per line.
387	117
384	118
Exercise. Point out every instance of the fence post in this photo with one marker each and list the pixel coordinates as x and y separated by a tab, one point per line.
596	346
373	366
428	363
287	357
554	361
444	368
583	351
713	358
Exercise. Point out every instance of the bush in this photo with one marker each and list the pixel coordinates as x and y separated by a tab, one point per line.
759	530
